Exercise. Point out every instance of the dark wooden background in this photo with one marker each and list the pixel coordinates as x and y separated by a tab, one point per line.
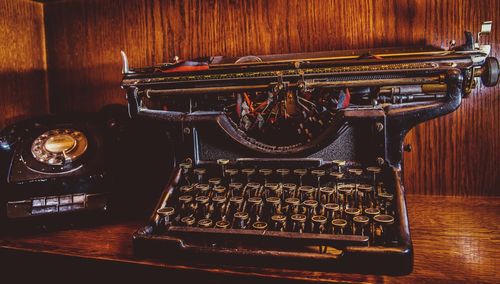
455	155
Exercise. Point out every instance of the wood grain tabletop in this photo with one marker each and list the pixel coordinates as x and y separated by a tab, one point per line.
455	240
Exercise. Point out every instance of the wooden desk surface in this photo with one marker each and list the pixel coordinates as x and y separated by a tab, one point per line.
456	239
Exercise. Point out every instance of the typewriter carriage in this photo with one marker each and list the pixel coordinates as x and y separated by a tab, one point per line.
403	87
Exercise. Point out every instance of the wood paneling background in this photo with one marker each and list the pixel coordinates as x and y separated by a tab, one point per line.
458	154
23	78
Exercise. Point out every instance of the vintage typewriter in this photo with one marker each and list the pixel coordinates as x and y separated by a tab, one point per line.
296	160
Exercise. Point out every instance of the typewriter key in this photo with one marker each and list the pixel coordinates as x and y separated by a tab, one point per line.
235	189
298	222
165	214
252	189
350	213
266	173
185	205
185	171
338	226
222	224
222	163
385	202
318	224
345	192
300	173
331	211
214	181
259	226
306	192
374	171
283	173
219	207
292	206
279	222
219	190
200	172
364	192
326	195
310	208
289	190
202	207
187	190
361	225
248	172
205	223
232	174
240	220
271	189
254	207
383	231
235	205
187	221
318	174
202	189
371	213
339	164
274	205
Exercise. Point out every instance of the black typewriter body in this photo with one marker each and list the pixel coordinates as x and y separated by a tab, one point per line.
295	160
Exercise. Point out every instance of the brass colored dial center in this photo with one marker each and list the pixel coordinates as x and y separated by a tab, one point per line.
60	143
59	146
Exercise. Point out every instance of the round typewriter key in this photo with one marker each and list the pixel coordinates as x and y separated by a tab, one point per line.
187	221
231	173
283	173
202	206
200	172
318	174
331	210
219	190
292	206
254	207
266	173
185	205
361	225
165	214
289	190
318	224
279	222
222	224
219	199
252	189
338	226
235	189
385	202
240	220
205	223
371	213
214	181
364	191
185	165
219	207
355	171
345	192
306	192
248	172
339	164
298	222
272	189
187	189
383	231
310	207
222	163
300	173
259	225
202	189
274	205
350	213
326	195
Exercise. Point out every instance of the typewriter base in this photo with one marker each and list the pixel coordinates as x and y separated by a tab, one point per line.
396	260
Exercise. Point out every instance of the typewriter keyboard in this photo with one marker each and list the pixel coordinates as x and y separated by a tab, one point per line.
338	200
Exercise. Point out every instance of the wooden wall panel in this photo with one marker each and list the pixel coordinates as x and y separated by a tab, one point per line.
458	154
22	61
